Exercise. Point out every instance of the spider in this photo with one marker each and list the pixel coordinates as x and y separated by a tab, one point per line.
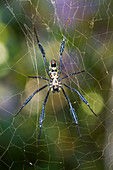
55	84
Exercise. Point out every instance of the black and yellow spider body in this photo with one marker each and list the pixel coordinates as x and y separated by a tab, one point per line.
55	84
53	72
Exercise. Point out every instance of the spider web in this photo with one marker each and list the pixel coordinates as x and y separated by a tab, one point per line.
89	47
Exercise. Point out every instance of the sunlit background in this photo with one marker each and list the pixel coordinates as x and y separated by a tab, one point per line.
89	47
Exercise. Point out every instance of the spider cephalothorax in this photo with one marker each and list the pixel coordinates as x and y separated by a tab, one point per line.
55	84
53	69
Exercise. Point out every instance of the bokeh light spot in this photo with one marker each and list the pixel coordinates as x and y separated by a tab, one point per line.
4	54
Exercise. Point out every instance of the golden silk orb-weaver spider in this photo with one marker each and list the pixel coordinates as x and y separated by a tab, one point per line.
55	84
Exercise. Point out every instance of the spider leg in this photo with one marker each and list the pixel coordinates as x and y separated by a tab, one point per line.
39	77
62	47
61	52
43	114
30	97
72	111
72	74
41	49
81	97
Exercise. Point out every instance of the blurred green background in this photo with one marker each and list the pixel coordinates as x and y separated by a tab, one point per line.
89	47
